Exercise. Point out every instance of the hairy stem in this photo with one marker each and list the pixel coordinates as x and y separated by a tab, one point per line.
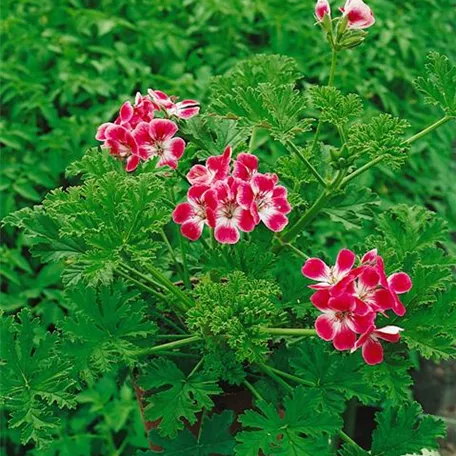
429	129
348	439
253	390
290	331
275	377
252	140
309	165
145	287
183	247
172	253
168	346
294	249
332	72
288	376
361	170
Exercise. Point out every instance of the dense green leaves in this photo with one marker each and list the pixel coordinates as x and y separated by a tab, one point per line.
183	396
93	226
35	378
214	438
405	430
105	328
296	432
235	310
439	85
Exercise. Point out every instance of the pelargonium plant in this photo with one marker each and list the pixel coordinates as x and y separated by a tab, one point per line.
234	265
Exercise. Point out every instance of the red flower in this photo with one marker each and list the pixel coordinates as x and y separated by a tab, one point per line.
197	212
142	111
397	283
155	139
230	217
340	322
121	143
216	169
322	7
265	200
358	14
184	109
372	349
329	277
245	166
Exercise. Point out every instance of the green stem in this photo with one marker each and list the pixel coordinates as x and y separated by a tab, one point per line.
349	440
142	285
168	346
298	252
187	282
172	253
309	165
253	390
291	377
332	72
429	129
290	331
275	377
198	365
178	354
316	136
361	170
252	140
176	291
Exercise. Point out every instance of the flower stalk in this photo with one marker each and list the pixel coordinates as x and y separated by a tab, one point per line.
168	346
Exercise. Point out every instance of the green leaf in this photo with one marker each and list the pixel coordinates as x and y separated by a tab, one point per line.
35	378
336	378
105	328
298	432
334	107
215	438
383	137
183	398
439	84
405	430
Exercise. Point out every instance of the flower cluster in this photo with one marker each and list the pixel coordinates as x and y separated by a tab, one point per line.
350	299
137	135
231	200
357	14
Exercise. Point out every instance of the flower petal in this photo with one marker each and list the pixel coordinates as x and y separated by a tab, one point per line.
399	283
199	174
162	129
132	163
320	299
245	166
126	112
345	338
183	212
372	352
226	233
316	269
274	220
345	261
245	221
192	229
325	327
389	333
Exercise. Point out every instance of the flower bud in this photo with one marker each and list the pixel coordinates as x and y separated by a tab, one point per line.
322	9
358	14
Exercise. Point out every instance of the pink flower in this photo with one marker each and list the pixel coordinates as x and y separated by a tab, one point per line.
328	277
184	109
340	322
396	284
265	200
322	7
216	169
358	14
372	349
245	166
197	212
142	111
155	139
230	217
121	144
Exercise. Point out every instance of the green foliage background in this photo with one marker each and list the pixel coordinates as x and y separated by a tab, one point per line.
68	65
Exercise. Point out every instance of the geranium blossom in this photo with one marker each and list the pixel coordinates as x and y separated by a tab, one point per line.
197	212
156	139
372	349
216	169
322	7
245	166
266	200
131	115
121	143
352	298
328	277
358	14
230	216
340	322
184	109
